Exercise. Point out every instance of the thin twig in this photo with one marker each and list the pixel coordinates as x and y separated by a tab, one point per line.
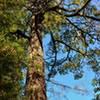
62	42
66	86
54	47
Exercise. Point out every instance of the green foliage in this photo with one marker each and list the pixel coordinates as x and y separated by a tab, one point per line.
12	51
12	61
76	38
72	35
11	15
9	73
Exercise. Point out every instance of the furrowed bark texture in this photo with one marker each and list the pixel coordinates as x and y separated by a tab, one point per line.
35	81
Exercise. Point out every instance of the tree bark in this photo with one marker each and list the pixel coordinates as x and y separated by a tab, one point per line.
35	81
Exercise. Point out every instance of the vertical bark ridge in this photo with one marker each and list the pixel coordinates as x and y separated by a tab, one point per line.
35	82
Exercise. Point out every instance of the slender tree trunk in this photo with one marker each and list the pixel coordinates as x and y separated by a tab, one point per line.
35	81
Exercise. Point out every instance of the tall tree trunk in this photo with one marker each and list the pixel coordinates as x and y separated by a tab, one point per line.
35	81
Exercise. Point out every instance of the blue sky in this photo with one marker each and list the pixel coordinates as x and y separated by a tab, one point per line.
83	83
68	79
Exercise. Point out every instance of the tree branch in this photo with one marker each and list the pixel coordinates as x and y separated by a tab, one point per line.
90	17
67	87
82	32
18	33
54	48
69	15
69	47
37	22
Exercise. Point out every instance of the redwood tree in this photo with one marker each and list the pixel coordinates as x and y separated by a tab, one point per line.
72	26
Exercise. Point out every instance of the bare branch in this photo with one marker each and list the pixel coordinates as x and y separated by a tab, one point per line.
62	42
90	17
66	86
69	15
82	32
88	1
54	47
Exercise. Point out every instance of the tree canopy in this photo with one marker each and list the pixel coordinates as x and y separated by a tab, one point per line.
74	30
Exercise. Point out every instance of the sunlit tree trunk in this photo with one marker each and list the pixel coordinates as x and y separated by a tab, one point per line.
35	81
